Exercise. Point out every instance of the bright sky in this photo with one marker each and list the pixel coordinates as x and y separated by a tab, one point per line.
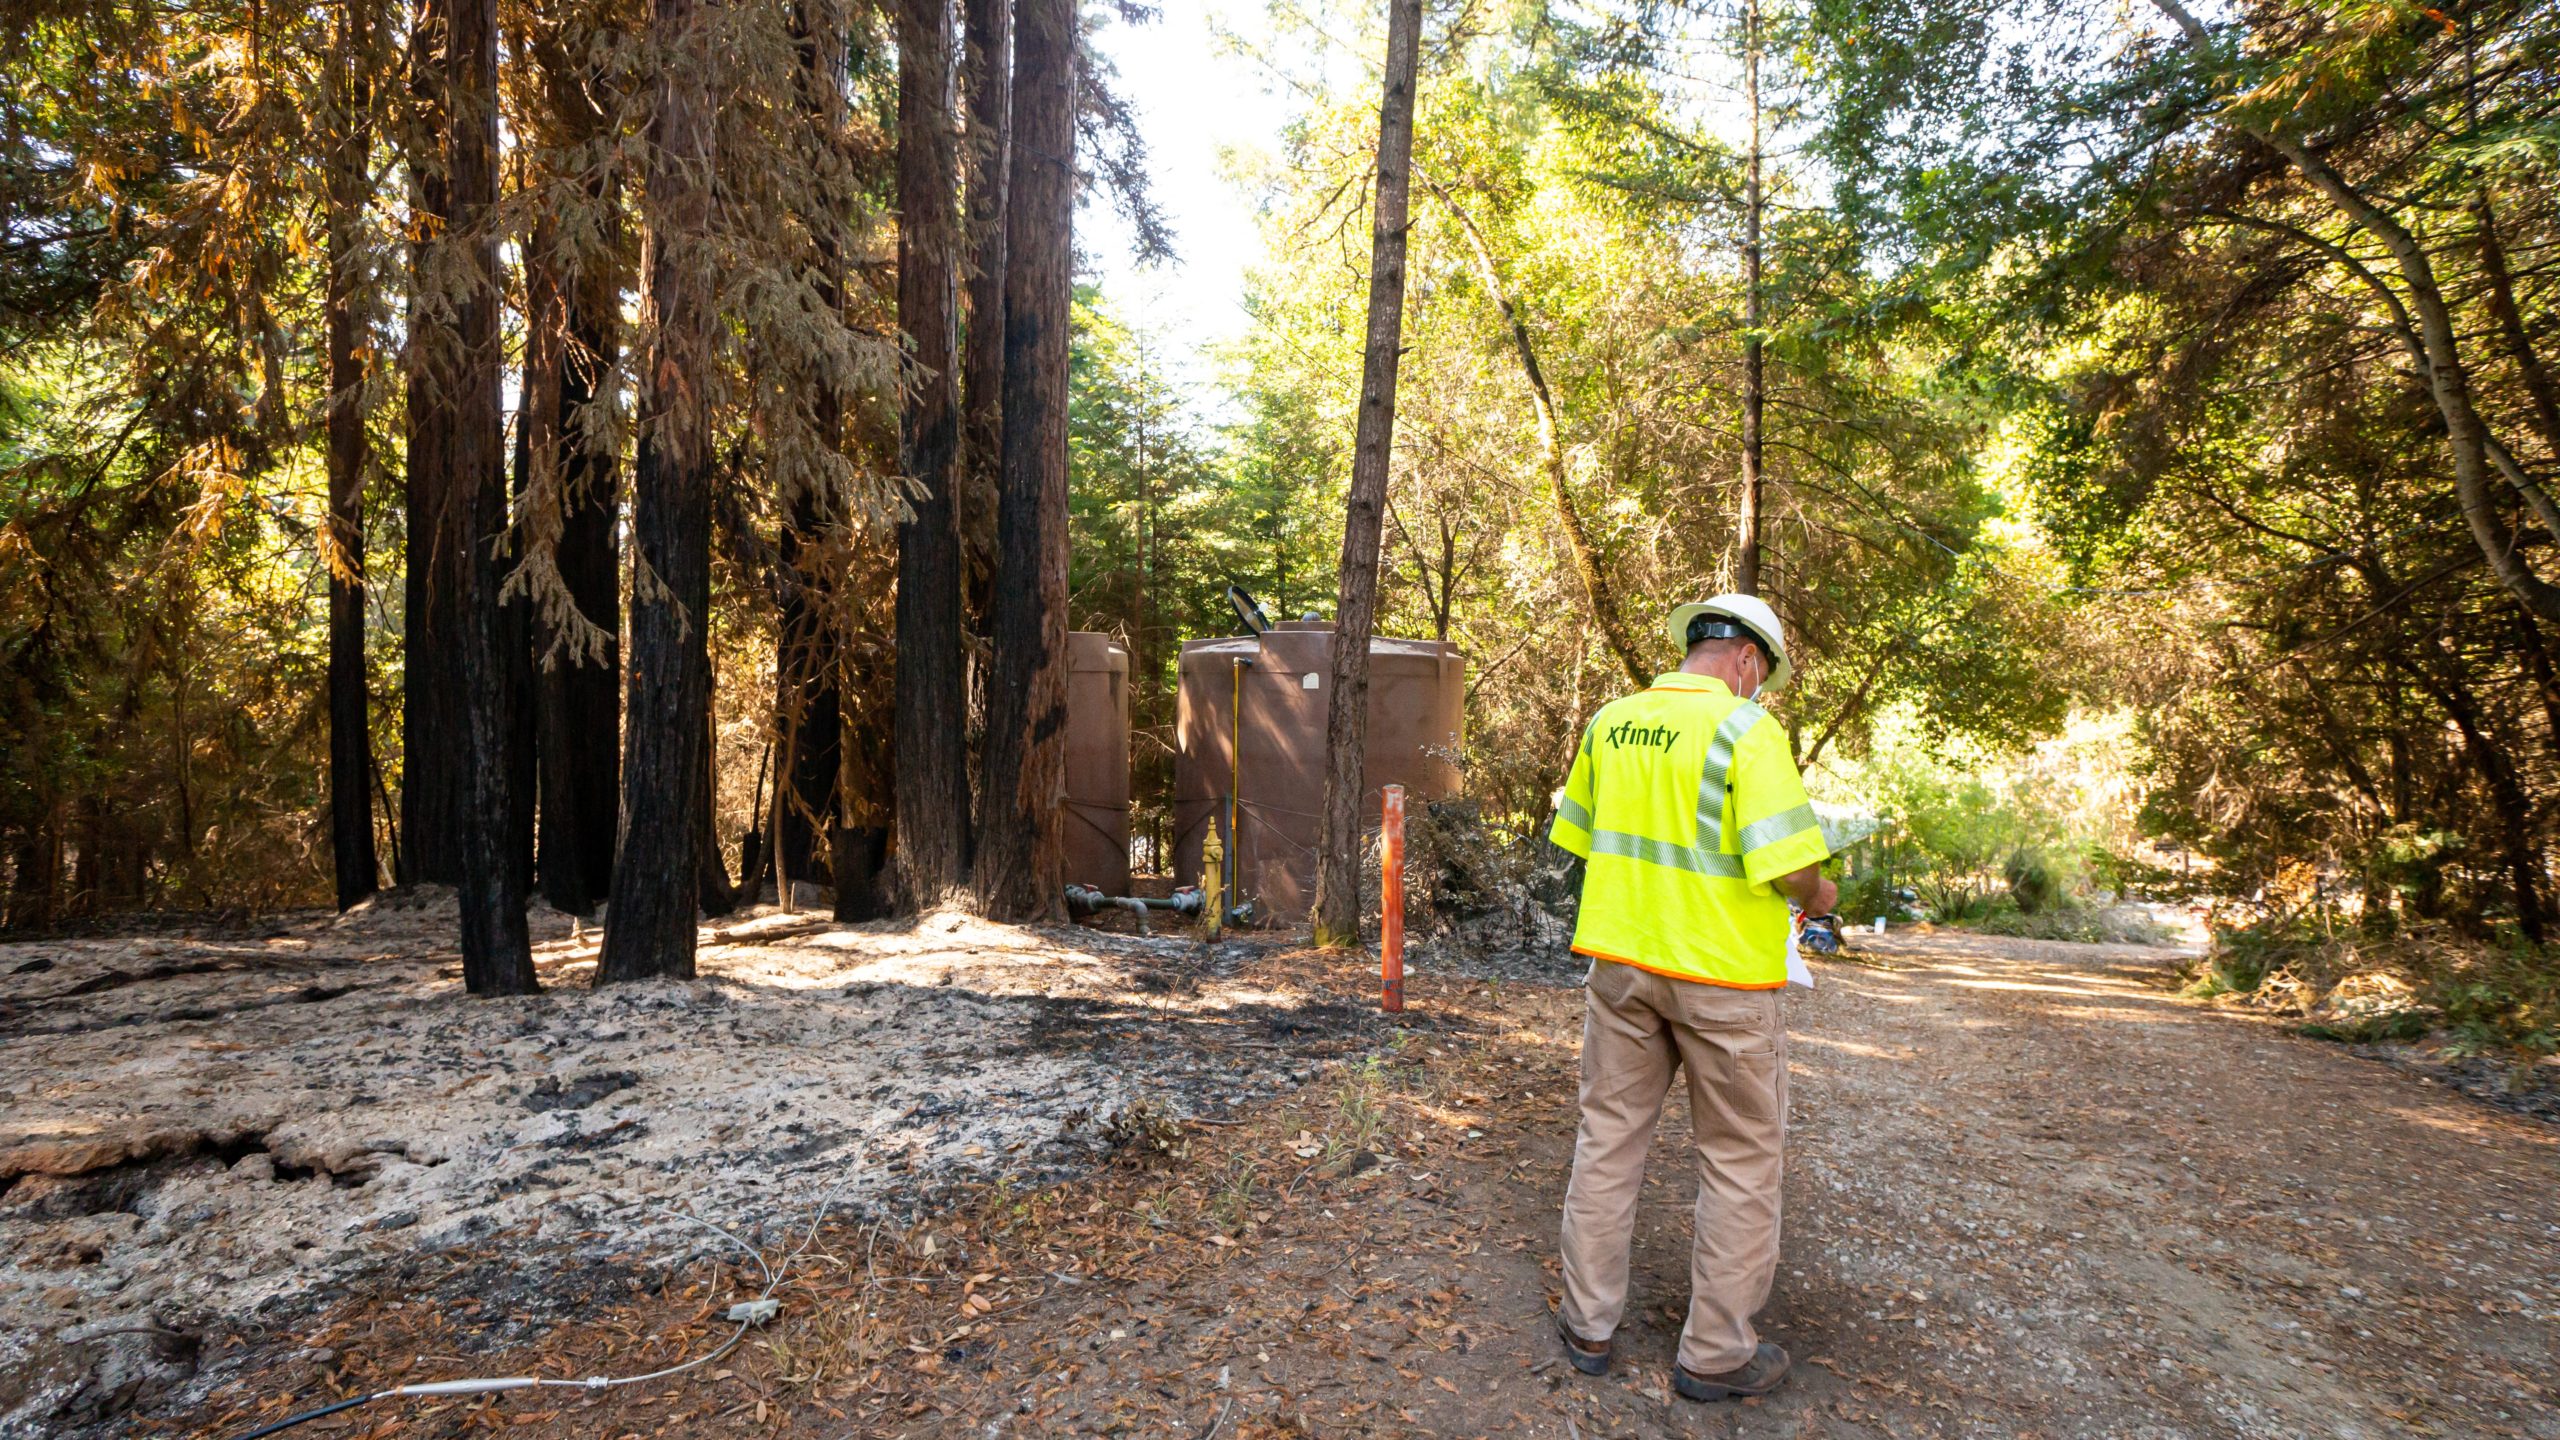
1195	99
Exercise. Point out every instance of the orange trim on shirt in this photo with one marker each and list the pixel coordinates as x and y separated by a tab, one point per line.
1674	974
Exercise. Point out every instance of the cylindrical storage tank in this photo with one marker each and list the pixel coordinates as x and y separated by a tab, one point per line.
1273	707
1096	840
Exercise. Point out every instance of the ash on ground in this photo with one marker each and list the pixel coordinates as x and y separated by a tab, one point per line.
212	1135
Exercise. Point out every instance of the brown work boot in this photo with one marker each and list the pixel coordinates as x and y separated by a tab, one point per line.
1757	1376
1584	1355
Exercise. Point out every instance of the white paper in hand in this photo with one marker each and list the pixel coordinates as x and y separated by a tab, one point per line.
1798	973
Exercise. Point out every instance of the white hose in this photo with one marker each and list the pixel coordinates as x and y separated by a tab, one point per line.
748	1314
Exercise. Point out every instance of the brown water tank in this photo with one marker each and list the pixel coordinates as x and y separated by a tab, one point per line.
1417	705
1097	818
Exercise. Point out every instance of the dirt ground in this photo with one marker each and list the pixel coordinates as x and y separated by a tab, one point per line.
2031	1193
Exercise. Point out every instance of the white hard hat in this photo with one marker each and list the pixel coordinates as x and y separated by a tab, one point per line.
1751	614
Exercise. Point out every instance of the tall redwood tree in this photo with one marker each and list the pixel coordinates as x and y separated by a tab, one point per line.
667	750
809	696
988	70
431	578
349	168
931	752
1023	775
497	958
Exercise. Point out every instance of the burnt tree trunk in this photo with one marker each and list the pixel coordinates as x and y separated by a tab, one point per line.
431	686
714	891
1337	906
573	294
989	73
515	656
1019	864
666	767
931	750
578	692
809	699
351	850
497	958
35	871
1749	523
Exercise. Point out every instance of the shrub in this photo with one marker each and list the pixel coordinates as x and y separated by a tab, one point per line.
2349	984
2114	925
2037	880
1867	896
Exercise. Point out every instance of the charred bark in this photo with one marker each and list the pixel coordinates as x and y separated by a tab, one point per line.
494	841
573	290
358	869
931	751
809	699
650	930
578	692
1018	861
989	73
431	684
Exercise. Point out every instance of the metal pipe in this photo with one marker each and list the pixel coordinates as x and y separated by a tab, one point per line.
1235	782
1087	900
1135	907
1391	899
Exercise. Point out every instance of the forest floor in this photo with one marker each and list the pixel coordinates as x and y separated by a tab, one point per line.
2032	1193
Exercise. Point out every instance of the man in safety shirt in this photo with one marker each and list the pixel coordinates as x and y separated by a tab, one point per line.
1685	801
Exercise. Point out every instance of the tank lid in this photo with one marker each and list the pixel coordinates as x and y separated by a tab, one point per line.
1095	650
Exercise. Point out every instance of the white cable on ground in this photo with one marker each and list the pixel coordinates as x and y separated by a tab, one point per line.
748	1314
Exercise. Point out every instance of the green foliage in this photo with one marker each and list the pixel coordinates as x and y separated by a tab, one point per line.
1977	831
1865	897
2086	926
2039	881
1576	154
2214	428
1165	513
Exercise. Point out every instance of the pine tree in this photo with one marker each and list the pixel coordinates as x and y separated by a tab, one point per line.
1337	906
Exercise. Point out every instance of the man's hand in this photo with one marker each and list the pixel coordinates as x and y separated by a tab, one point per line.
1812	891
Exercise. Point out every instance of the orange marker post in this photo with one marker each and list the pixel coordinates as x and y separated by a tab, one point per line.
1391	902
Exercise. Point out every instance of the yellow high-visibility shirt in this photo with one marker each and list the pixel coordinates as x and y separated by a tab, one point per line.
1686	802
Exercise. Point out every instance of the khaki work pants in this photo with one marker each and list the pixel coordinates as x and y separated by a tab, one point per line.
1637	1028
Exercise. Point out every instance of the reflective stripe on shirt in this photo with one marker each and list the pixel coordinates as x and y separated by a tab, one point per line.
1711	781
1692	858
